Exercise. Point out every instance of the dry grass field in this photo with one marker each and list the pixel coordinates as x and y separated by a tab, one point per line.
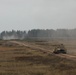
35	58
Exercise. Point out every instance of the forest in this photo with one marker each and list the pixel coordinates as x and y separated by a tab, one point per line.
39	34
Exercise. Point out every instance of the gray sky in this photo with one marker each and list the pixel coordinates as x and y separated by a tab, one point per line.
37	14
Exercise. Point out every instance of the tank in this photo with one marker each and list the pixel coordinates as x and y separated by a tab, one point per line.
60	49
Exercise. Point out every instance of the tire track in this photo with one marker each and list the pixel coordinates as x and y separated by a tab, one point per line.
67	56
35	47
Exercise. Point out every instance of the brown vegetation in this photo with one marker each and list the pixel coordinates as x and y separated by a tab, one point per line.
25	60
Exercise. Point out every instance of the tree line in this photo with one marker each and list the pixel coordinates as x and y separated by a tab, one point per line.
39	34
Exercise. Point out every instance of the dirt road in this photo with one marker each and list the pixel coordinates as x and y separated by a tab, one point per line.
32	46
67	56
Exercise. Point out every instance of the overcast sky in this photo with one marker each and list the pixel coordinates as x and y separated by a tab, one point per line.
37	14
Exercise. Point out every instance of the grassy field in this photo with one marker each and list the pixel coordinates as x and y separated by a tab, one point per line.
26	60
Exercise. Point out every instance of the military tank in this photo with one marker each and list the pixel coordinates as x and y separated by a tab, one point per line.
60	49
